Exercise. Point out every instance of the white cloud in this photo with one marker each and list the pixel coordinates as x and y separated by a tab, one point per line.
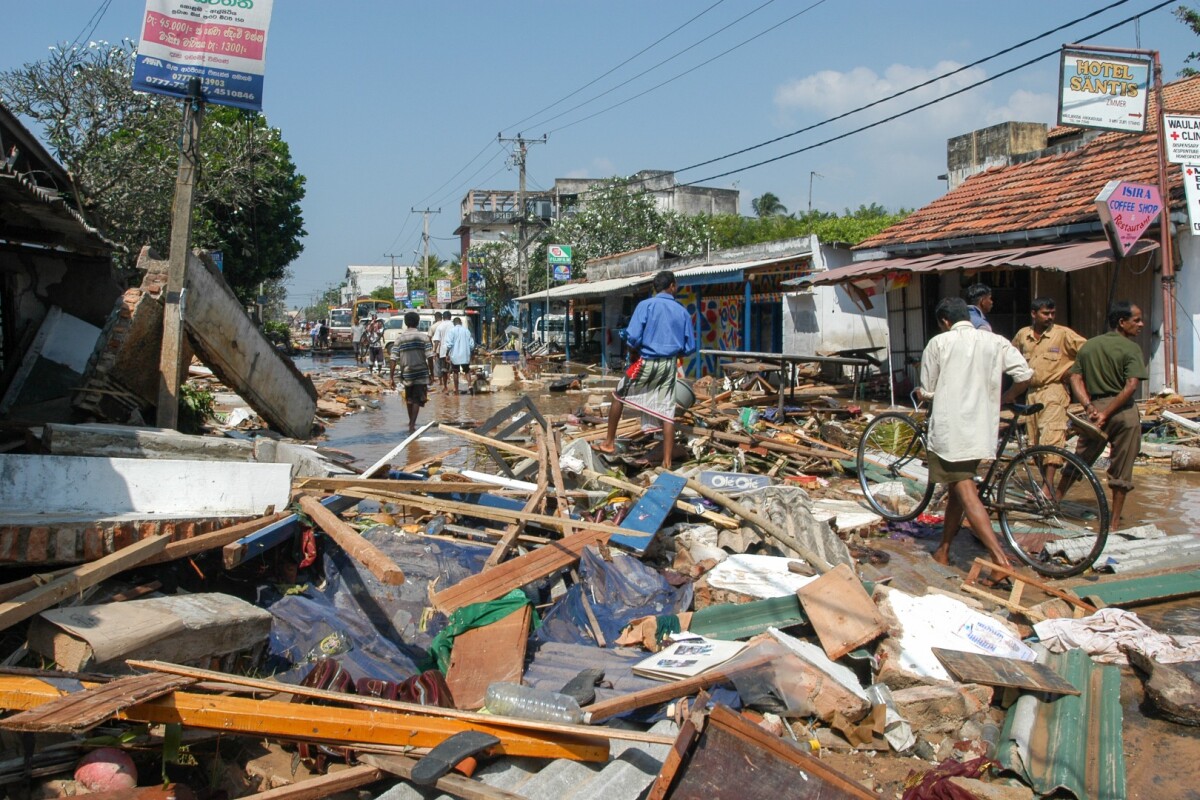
598	168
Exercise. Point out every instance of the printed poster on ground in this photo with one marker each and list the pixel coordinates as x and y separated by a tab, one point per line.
223	44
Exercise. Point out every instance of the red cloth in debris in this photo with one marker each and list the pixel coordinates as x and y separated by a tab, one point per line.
934	784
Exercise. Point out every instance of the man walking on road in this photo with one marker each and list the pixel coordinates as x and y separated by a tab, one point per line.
961	370
1105	377
374	343
412	352
458	346
356	339
437	334
1050	350
660	331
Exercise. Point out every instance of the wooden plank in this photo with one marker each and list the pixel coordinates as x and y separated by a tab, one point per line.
517	527
362	701
841	611
397	450
614	706
486	655
1010	572
185	548
262	540
81	711
428	487
328	724
550	440
518	572
649	512
10	590
324	785
77	579
453	784
734	759
1000	671
413	466
353	543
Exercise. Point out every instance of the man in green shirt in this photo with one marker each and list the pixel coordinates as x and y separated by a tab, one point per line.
1104	379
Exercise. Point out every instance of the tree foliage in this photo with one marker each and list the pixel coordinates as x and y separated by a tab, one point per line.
1191	18
768	205
852	227
121	149
613	218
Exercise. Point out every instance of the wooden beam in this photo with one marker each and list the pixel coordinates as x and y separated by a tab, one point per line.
324	785
77	579
353	543
598	712
257	543
560	490
364	701
517	527
81	711
185	548
499	444
413	466
397	450
10	590
327	724
336	485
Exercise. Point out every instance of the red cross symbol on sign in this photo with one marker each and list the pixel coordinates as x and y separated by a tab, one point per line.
1175	135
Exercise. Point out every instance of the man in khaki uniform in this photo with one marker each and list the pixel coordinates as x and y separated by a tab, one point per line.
1050	350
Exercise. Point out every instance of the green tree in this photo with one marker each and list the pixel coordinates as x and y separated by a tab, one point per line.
768	205
330	298
730	230
1191	18
121	149
614	219
383	293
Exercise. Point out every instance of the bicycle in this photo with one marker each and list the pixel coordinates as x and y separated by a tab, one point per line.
1058	531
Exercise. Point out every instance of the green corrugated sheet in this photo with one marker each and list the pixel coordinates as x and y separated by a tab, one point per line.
1151	589
730	621
1072	743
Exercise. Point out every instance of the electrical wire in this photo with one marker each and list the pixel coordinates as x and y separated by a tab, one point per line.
670	58
909	90
94	21
595	80
921	106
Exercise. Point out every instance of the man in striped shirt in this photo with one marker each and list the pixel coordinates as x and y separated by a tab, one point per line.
411	353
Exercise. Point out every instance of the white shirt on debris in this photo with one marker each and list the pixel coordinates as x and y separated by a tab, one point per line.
960	370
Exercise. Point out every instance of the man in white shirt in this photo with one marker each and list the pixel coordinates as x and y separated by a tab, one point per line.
961	371
437	334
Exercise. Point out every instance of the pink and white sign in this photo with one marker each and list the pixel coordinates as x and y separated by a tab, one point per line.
1127	209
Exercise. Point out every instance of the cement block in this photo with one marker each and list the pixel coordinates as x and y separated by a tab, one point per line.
934	710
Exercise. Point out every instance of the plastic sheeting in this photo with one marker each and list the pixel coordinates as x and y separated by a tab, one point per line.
385	626
619	591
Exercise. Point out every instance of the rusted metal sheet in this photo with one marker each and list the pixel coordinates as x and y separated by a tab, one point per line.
1067	742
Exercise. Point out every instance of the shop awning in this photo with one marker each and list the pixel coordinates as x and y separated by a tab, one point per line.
578	291
1060	257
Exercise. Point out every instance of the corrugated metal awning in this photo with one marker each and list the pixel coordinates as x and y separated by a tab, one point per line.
1060	257
733	271
576	291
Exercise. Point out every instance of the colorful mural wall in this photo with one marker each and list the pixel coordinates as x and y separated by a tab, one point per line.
720	326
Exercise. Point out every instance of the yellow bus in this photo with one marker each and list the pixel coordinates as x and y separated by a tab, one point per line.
364	307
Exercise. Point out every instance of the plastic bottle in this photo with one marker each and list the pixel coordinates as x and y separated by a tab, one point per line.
991	737
515	700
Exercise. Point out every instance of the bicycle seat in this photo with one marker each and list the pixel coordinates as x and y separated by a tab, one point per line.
1021	409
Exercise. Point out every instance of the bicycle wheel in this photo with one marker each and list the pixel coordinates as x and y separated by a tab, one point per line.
1058	538
891	467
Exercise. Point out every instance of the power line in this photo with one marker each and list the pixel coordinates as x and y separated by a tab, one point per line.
668	59
648	47
935	101
94	21
910	89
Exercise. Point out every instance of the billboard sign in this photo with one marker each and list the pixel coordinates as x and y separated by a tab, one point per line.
223	44
443	290
560	272
418	298
558	254
400	288
1102	91
1127	210
1191	189
1182	138
476	282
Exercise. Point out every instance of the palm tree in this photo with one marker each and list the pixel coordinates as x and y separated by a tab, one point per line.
768	205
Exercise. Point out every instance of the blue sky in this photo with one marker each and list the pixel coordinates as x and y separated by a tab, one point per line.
389	106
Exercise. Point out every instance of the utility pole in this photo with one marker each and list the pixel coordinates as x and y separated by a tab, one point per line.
518	158
425	238
170	363
392	256
812	175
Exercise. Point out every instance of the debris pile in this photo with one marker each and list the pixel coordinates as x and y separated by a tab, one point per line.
545	620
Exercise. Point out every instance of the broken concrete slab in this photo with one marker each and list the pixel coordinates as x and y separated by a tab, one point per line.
942	710
52	366
184	629
229	342
1173	689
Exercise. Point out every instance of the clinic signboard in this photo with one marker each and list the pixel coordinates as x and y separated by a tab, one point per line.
221	42
1102	91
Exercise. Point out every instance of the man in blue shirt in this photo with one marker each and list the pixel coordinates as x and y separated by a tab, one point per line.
660	331
979	303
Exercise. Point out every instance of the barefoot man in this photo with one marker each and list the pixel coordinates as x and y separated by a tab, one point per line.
961	370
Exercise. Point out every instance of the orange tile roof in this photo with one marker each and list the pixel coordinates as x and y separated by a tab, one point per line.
1047	192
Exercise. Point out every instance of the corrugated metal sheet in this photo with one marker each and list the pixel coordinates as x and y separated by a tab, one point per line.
567	291
1069	743
1132	555
731	621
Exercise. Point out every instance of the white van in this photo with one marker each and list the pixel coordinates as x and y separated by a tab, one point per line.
551	328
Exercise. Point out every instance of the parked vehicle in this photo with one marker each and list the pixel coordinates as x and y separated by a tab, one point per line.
551	329
340	335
